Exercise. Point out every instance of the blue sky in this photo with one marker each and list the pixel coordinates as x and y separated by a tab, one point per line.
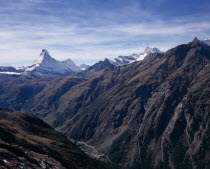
90	30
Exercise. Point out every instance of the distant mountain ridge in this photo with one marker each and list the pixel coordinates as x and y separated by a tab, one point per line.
124	60
45	64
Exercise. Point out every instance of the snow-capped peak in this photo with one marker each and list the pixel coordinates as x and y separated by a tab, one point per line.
44	51
69	63
152	50
43	55
204	42
46	64
123	60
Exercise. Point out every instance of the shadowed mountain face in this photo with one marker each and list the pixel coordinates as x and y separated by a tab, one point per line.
17	90
27	142
149	114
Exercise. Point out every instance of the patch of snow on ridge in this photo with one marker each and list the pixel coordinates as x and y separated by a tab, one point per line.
10	73
152	50
206	41
84	66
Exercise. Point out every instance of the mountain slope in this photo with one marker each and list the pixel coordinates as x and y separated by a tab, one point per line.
16	90
27	142
152	114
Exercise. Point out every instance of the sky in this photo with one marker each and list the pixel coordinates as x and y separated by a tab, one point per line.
87	31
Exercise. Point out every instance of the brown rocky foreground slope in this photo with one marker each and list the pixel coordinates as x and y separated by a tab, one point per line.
27	142
149	114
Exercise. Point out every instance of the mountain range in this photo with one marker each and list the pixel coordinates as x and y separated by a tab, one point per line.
46	65
147	110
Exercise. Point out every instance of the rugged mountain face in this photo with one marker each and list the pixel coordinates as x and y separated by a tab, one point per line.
27	142
95	69
124	60
151	114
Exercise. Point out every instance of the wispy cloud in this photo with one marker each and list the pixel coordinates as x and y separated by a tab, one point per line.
88	35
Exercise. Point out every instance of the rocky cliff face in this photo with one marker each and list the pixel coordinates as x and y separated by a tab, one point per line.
151	114
27	142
